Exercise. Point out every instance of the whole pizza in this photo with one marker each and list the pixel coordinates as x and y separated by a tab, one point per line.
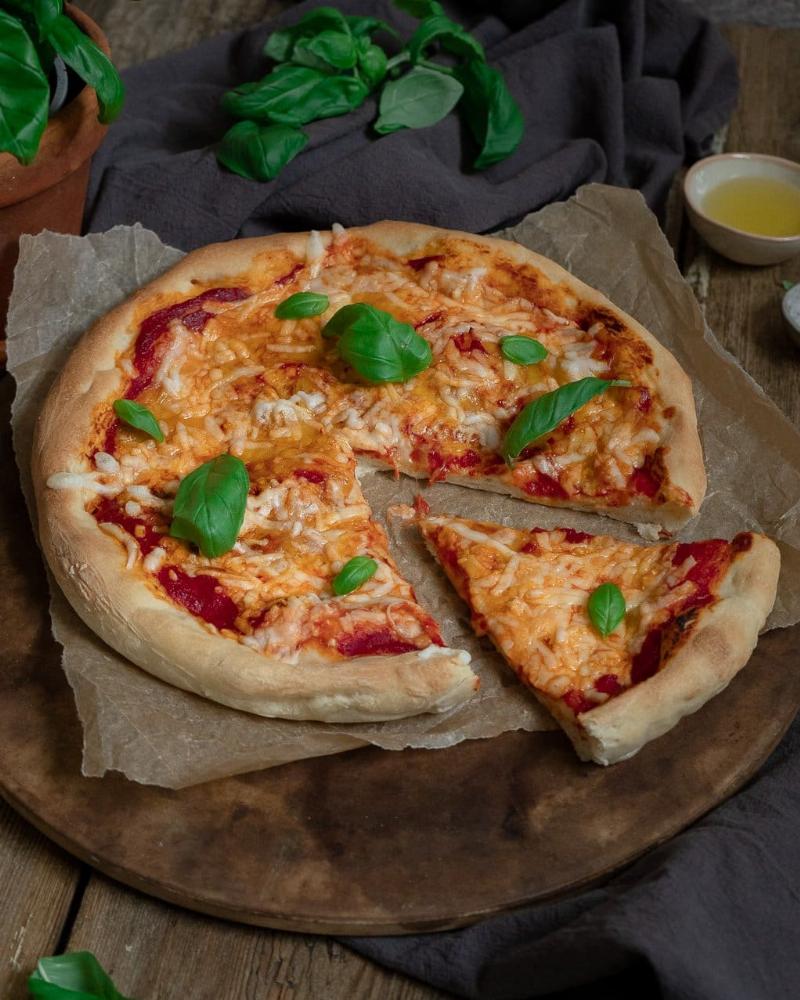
196	472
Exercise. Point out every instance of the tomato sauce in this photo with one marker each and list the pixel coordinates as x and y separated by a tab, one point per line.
202	595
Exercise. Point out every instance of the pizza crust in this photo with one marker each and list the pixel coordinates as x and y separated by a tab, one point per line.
716	649
166	640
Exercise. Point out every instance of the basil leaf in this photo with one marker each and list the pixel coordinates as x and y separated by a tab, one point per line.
544	414
210	504
24	92
368	26
372	62
420	98
260	152
420	8
302	304
138	416
376	345
353	575
281	90
329	48
491	113
522	350
450	35
89	62
606	608
280	44
787	285
75	976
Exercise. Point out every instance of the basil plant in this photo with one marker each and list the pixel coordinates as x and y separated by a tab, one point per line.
34	35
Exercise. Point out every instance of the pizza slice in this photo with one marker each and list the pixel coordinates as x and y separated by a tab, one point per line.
619	641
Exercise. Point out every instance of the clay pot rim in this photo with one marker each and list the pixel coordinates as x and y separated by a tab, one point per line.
70	138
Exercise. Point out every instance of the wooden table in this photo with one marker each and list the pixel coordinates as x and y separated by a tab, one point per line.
51	903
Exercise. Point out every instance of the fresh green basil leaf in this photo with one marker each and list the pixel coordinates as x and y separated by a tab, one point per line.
368	26
91	64
606	608
301	305
210	505
280	44
491	113
260	152
74	976
38	13
376	345
371	62
420	98
440	30
398	60
24	92
281	90
353	574
522	350
420	8
787	285
544	414
138	416
328	50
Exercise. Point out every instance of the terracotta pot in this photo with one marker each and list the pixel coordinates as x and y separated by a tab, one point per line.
50	192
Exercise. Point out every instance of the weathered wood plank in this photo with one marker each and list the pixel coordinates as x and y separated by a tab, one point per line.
742	304
38	883
153	950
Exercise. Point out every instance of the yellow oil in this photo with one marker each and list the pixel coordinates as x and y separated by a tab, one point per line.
757	205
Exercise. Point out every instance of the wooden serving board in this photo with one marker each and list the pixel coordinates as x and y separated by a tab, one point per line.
368	842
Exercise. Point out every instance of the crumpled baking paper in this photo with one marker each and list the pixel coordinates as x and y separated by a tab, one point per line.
156	734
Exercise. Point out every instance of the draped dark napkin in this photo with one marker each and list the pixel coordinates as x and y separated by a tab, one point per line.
618	91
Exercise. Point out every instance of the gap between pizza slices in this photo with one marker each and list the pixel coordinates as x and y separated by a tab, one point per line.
202	350
693	611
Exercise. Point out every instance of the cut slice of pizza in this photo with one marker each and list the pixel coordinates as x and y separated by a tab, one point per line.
619	641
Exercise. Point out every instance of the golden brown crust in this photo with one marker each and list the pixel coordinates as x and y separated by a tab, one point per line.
719	645
166	640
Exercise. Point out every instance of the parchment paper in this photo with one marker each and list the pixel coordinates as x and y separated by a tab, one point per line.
156	734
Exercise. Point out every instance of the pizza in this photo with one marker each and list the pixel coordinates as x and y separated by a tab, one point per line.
195	463
619	641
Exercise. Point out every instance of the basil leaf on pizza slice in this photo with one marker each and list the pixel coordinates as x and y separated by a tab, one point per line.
210	504
376	345
551	602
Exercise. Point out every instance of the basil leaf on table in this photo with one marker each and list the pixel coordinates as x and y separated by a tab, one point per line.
450	35
375	344
295	95
606	608
544	414
210	505
138	416
260	152
74	976
93	66
301	305
329	49
420	8
420	98
353	575
280	44
372	62
363	26
24	92
491	113
522	350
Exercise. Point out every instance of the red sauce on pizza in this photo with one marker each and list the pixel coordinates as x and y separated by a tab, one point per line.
467	342
373	643
311	475
542	485
108	511
202	595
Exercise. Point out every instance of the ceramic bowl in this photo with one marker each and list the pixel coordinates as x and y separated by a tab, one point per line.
736	244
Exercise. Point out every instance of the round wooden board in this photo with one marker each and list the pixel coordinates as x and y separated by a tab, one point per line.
367	842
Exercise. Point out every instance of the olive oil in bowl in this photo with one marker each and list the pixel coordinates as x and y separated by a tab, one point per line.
761	205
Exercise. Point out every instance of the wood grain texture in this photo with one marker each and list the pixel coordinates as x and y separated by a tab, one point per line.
38	882
154	950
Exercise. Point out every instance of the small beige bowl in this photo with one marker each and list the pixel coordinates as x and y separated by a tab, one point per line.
736	244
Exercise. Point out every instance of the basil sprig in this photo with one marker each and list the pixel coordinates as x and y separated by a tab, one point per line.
210	505
260	152
606	608
31	34
74	976
544	414
491	113
353	575
379	347
135	415
302	305
522	350
420	98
